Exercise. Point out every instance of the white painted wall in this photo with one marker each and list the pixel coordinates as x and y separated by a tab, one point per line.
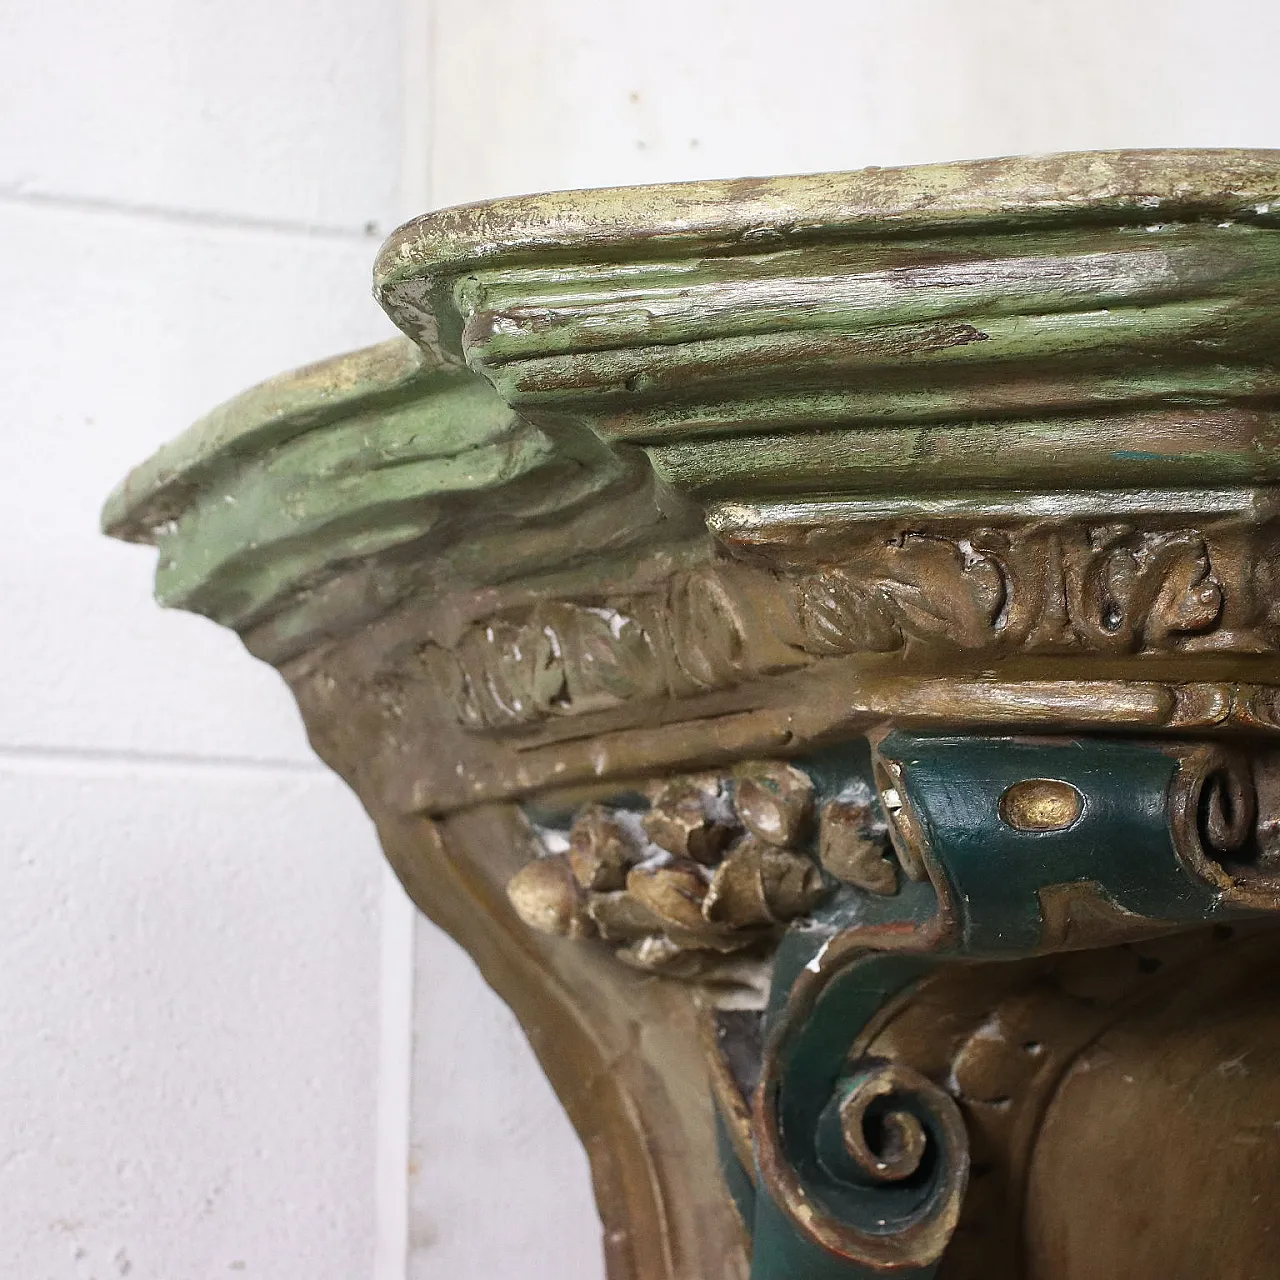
536	94
189	928
225	1047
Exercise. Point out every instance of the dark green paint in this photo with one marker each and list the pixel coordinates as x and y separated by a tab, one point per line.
813	1060
1121	840
740	1182
814	1056
778	1253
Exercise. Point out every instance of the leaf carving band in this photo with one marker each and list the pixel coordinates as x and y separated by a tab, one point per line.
1044	588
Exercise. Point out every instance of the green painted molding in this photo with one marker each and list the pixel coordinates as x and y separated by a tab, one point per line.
419	263
591	370
1103	320
257	420
293	511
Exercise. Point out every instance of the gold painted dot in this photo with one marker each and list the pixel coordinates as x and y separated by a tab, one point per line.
1041	804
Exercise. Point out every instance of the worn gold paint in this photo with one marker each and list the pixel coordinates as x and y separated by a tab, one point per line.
1041	804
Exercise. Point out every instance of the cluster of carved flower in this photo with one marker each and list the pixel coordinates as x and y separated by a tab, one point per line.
711	867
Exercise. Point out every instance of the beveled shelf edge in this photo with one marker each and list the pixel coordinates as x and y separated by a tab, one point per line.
267	414
423	256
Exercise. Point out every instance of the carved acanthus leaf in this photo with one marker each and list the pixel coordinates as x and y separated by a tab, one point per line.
1048	587
1041	588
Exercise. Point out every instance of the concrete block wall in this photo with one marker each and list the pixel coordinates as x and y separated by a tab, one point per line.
190	196
226	1046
